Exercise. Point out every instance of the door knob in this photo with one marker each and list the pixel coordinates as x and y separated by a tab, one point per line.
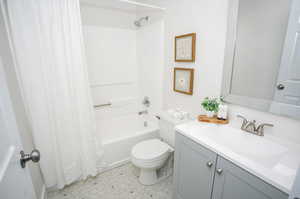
280	87
209	164
34	156
219	171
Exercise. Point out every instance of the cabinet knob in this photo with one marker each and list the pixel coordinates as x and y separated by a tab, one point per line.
280	87
209	164
219	171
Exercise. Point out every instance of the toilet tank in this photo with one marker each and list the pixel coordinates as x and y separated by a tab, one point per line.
167	124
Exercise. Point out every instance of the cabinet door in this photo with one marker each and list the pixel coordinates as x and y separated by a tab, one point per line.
232	182
194	169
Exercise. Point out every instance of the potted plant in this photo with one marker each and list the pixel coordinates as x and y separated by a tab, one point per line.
211	106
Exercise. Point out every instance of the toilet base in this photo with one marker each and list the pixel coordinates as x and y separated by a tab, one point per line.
148	176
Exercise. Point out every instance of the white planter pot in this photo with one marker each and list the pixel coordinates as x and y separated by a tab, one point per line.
210	113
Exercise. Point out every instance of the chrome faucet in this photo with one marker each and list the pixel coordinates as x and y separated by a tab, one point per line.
245	122
143	112
250	126
260	129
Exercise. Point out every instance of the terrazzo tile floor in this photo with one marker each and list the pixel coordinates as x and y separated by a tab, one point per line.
119	183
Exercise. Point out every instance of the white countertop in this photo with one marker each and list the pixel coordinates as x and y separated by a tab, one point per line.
273	160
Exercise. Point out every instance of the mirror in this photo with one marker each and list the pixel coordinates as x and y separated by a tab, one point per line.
262	57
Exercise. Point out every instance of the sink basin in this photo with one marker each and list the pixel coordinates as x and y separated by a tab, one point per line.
245	144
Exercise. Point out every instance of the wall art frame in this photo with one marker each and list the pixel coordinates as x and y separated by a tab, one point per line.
185	48
183	81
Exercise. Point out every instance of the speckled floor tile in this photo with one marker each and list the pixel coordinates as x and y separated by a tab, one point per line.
118	183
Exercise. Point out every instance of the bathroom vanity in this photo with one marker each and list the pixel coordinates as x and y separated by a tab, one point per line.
215	161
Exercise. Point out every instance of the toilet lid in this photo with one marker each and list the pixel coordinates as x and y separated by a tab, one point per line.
150	149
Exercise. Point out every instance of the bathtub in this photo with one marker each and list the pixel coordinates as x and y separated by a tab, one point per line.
120	134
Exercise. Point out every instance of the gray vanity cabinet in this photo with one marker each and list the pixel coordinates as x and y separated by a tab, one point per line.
202	174
194	170
232	182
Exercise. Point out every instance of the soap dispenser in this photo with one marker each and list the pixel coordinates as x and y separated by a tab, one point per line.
223	110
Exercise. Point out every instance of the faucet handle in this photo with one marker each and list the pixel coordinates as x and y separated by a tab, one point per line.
245	121
260	128
251	126
146	101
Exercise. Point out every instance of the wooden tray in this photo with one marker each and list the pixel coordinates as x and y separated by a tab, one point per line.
204	118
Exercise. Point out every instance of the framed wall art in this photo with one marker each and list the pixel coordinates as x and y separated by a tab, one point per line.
183	80
185	47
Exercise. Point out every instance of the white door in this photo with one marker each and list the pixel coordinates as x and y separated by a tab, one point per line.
288	87
15	182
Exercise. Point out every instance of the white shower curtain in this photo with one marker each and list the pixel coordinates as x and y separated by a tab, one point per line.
48	44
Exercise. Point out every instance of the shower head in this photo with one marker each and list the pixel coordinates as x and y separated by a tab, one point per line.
138	23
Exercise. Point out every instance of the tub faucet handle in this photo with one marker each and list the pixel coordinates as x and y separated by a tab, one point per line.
146	101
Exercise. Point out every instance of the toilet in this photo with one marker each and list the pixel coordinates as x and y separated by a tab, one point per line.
151	155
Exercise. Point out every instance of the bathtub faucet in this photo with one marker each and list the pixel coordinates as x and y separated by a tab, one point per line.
146	101
143	112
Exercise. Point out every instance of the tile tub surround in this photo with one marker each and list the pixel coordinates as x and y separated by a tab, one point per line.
273	160
118	183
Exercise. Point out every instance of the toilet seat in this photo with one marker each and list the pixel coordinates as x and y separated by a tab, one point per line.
148	156
150	150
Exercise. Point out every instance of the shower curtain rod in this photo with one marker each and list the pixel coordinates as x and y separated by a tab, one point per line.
142	4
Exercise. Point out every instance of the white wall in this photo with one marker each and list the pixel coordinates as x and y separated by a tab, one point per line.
150	60
110	41
208	18
111	55
111	59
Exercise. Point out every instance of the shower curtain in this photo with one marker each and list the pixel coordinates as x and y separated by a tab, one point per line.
48	46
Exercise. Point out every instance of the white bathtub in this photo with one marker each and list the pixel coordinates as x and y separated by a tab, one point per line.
120	134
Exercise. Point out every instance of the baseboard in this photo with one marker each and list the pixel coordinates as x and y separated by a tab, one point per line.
115	164
44	193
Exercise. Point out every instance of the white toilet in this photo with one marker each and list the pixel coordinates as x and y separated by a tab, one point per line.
151	155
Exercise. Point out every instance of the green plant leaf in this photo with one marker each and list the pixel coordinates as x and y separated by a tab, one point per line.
210	104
